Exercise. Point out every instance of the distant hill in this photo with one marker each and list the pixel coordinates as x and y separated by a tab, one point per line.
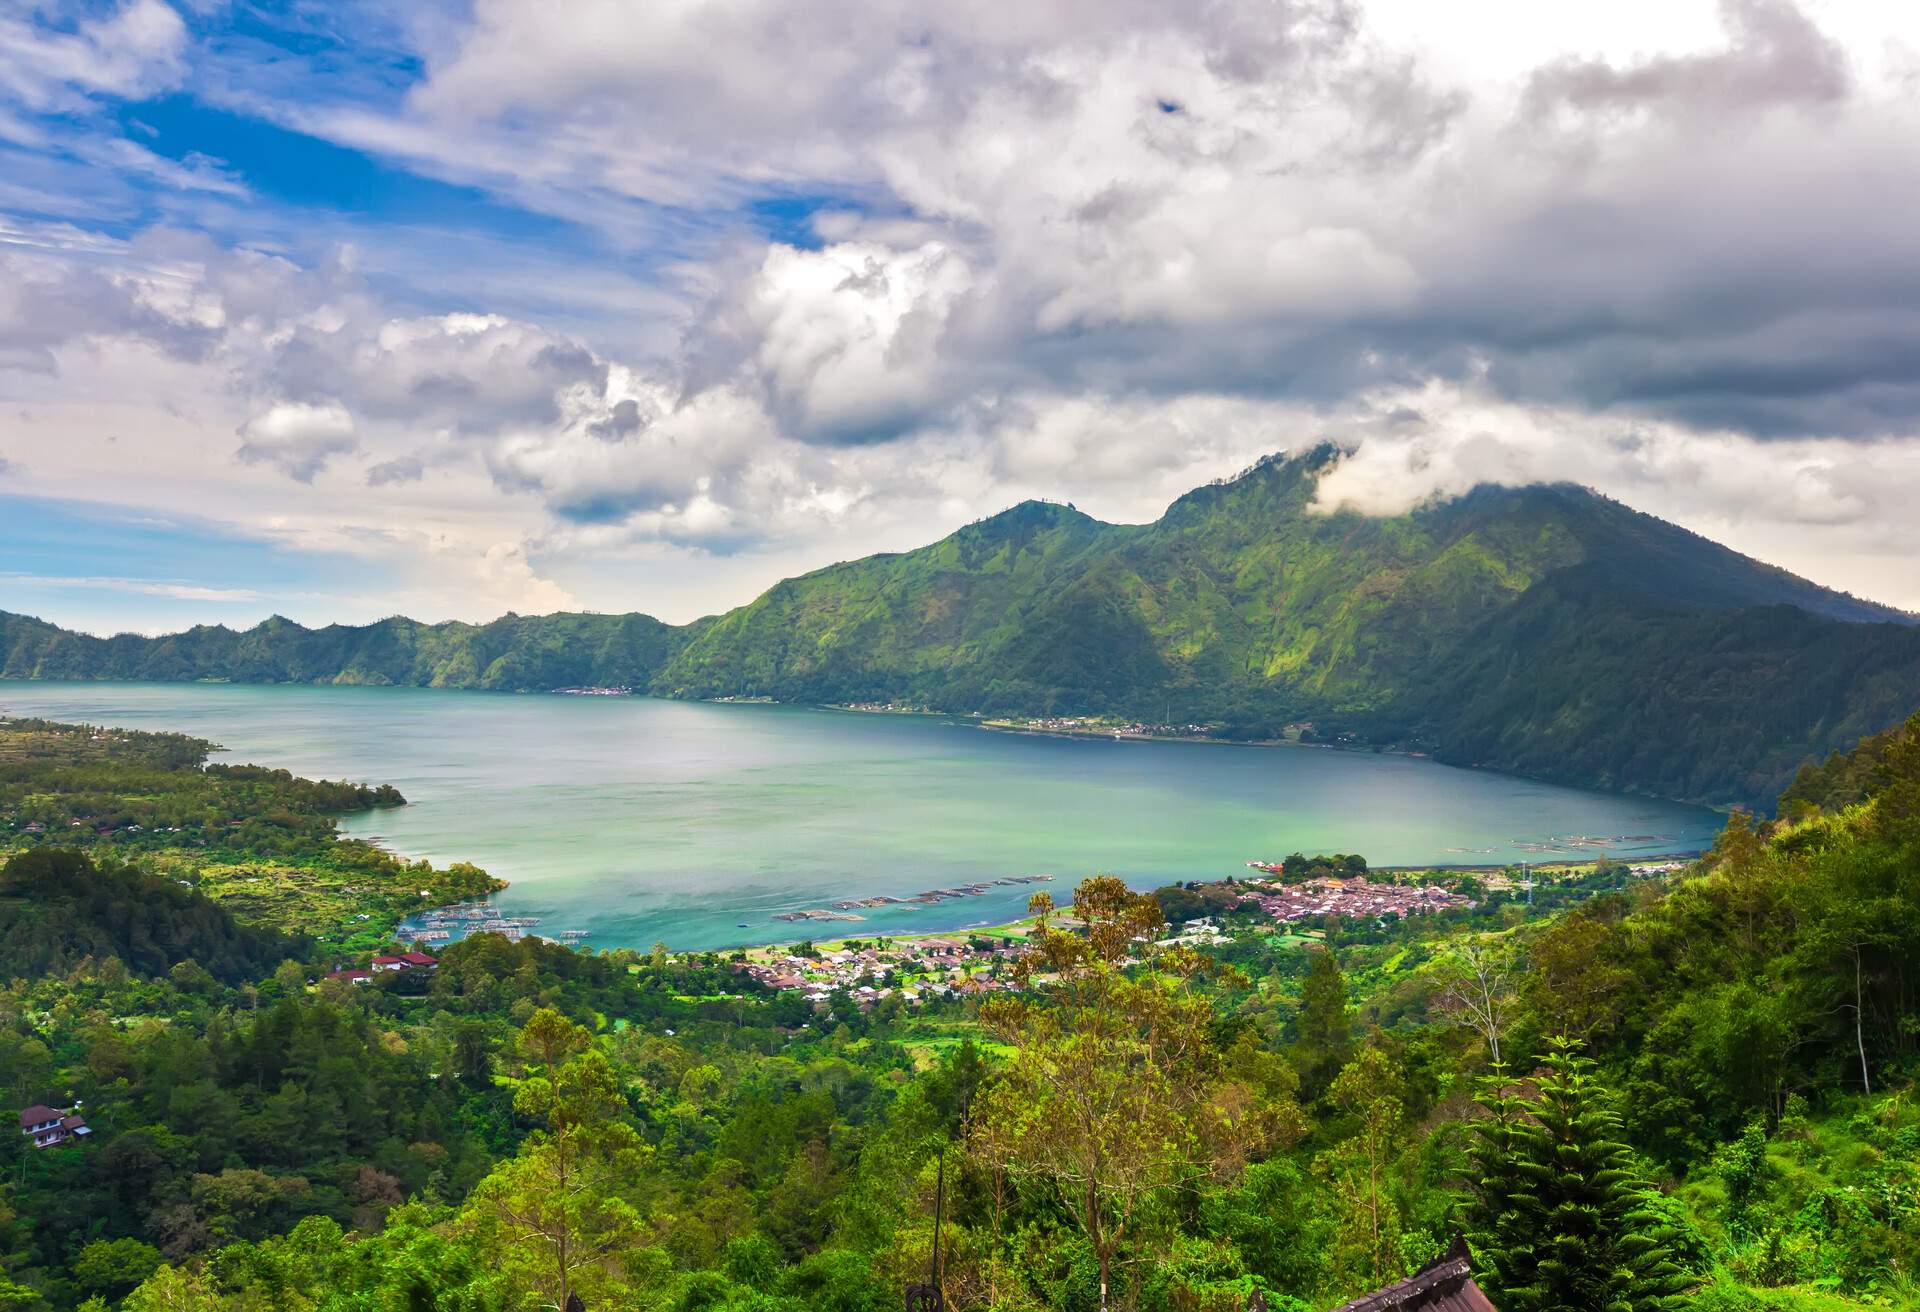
1545	630
513	653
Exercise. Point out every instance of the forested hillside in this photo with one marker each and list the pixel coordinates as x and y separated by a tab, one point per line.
513	653
1544	630
59	910
1694	1096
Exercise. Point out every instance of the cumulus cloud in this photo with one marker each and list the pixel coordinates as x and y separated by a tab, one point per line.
845	343
624	420
296	438
1775	55
49	301
502	575
1409	448
469	373
1264	199
1095	250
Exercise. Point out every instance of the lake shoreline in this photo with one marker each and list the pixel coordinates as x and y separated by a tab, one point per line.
638	819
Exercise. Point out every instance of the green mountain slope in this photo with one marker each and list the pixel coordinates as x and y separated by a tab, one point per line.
1543	629
512	653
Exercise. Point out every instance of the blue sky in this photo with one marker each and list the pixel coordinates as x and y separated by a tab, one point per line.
159	573
346	309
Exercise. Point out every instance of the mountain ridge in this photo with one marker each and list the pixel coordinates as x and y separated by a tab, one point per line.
1543	629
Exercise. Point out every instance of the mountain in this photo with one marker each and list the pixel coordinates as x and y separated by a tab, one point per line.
513	653
1545	630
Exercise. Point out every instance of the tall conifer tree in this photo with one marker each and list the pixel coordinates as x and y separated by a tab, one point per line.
1560	1221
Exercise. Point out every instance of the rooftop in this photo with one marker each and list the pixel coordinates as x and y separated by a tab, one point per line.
1442	1285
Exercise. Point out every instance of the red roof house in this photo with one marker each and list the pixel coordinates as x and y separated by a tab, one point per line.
50	1127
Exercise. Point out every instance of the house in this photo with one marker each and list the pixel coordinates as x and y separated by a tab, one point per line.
405	961
50	1127
351	976
1442	1285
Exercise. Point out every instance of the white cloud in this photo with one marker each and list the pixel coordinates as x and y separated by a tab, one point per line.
846	341
173	590
136	49
297	438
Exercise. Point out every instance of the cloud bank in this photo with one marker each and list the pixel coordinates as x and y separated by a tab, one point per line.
1100	251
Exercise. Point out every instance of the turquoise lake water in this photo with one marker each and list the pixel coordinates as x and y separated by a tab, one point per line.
696	824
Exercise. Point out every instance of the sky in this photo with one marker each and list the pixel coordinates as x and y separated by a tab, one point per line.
342	310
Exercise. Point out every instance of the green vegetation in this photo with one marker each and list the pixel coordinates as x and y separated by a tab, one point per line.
1847	777
59	910
1694	1096
261	844
511	653
1543	630
1561	1216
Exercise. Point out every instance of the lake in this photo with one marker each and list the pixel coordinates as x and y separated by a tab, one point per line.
696	824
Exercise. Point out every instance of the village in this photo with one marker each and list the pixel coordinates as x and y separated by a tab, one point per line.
1350	898
978	961
921	967
915	969
1102	726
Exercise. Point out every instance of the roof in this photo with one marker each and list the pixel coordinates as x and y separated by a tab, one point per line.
38	1114
418	959
1442	1285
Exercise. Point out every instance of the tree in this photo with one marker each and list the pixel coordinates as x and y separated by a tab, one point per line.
170	1289
550	1038
113	1266
473	1054
1368	1090
1476	990
555	1213
16	1297
1577	982
1324	1025
1113	1095
1560	1217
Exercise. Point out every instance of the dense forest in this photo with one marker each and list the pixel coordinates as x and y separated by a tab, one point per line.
1693	1093
60	911
1544	630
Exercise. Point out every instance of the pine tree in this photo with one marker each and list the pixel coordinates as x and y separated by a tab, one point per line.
1560	1219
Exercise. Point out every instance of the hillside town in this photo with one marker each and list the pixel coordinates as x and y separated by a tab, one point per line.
1351	898
915	969
919	968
